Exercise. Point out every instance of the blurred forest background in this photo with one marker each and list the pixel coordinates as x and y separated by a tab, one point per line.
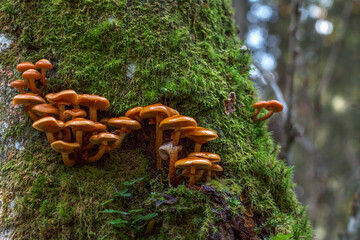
307	55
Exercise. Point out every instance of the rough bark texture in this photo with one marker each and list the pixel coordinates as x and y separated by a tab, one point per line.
184	54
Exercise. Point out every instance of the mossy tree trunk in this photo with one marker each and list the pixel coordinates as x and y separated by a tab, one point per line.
182	53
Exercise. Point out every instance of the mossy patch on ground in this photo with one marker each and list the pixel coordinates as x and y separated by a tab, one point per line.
182	53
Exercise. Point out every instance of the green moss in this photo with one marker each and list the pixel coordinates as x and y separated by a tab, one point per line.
182	53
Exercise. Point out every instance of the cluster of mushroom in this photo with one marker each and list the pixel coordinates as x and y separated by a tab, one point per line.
272	106
166	119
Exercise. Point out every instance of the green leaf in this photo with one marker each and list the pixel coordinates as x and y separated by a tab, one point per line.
123	193
118	222
114	211
145	218
132	182
135	210
110	200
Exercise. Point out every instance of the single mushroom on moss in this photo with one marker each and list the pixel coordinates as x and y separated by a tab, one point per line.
258	106
94	103
65	149
80	125
44	65
199	135
272	106
30	77
62	99
126	125
103	139
19	85
49	125
158	112
29	100
170	150
193	164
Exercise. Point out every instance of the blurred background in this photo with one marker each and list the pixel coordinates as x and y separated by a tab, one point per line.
307	55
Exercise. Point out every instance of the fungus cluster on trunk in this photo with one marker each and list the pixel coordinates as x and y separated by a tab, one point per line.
72	127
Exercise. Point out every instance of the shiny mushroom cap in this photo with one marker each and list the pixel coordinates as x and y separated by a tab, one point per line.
216	168
199	134
98	127
44	63
93	101
177	121
199	163
274	105
74	113
134	112
212	157
65	97
18	84
81	124
172	111
48	124
64	147
22	67
124	123
260	104
45	109
31	74
28	98
153	110
104	136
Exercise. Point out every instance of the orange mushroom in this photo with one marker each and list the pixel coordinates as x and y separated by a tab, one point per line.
44	65
134	113
80	125
29	100
126	125
65	149
62	99
19	85
45	110
272	106
49	125
22	67
178	123
30	77
213	158
193	164
103	139
94	103
258	106
199	135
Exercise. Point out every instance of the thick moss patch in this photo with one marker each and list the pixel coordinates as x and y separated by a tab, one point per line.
182	53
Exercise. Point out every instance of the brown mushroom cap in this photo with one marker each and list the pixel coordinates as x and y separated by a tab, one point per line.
216	168
98	127
44	63
199	134
18	84
31	74
199	163
22	67
104	136
81	124
274	106
212	157
65	97
124	122
94	101
155	109
45	109
74	113
260	104
28	98
64	147
48	124
173	122
134	113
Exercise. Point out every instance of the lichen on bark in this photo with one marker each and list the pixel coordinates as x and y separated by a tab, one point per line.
182	53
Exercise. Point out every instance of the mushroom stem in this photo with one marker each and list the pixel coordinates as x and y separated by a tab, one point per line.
79	137
50	137
172	170
256	112
67	161
159	140
31	114
198	176
33	87
269	114
208	175
102	150
61	112
93	114
177	133
118	142
43	81
197	147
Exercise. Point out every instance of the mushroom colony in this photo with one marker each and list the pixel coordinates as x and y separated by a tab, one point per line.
81	137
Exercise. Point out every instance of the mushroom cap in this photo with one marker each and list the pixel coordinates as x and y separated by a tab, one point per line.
166	148
98	127
44	63
93	101
22	67
104	136
216	168
18	84
199	134
172	111
152	110
80	124
212	157
274	105
178	121
134	112
199	163
28	98
48	124
121	122
31	74
260	104
64	147
45	108
74	113
65	97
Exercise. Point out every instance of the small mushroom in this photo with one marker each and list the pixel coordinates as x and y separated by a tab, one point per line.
19	85
170	150
44	64
65	149
134	113
272	106
126	125
94	103
213	158
80	125
45	110
49	125
62	99
178	123
199	135
74	113
98	127
22	67
29	100
30	77
193	164
103	139
157	112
